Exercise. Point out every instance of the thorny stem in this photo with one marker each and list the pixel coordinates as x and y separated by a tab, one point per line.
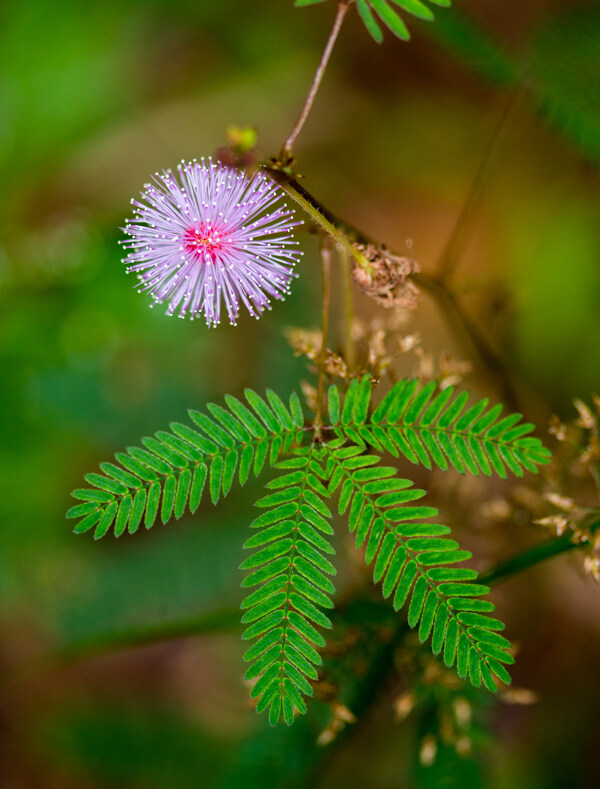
348	237
348	312
326	261
286	151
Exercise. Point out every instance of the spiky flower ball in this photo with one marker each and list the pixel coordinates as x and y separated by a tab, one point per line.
212	235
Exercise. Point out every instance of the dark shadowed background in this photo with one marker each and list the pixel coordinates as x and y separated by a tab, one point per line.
93	99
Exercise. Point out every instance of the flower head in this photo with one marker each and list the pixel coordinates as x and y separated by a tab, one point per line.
211	235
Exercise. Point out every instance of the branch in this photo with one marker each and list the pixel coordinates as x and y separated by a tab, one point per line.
349	238
348	311
286	151
326	261
456	316
458	238
344	234
107	643
532	556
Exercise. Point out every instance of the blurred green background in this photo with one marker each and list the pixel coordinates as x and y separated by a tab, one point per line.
94	98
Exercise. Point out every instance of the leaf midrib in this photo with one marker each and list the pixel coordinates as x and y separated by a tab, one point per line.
287	588
430	584
192	465
432	428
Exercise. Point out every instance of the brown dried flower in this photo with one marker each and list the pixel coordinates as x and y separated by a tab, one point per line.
586	417
557	428
387	281
308	343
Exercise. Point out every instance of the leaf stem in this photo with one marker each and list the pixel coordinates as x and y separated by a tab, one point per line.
326	264
459	236
348	311
532	556
286	150
457	317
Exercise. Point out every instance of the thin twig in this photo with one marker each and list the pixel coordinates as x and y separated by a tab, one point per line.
532	556
349	238
326	261
108	643
286	151
457	317
348	311
458	238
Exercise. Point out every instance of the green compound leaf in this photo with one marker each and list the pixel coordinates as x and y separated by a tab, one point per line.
437	428
289	572
567	86
414	561
291	587
169	474
384	9
370	9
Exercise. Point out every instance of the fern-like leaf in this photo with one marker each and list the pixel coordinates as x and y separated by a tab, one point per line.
429	427
290	572
412	556
415	561
172	469
384	10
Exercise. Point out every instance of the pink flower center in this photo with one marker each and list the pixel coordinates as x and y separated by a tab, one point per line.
203	239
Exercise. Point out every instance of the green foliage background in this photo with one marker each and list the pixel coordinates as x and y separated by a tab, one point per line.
92	99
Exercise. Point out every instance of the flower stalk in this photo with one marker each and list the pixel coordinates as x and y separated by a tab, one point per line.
285	155
326	266
348	310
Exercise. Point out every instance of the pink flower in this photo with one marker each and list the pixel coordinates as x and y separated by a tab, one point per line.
209	235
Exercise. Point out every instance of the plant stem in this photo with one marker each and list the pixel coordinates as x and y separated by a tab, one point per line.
348	238
455	315
343	234
326	261
96	646
348	311
458	238
209	623
532	556
286	151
